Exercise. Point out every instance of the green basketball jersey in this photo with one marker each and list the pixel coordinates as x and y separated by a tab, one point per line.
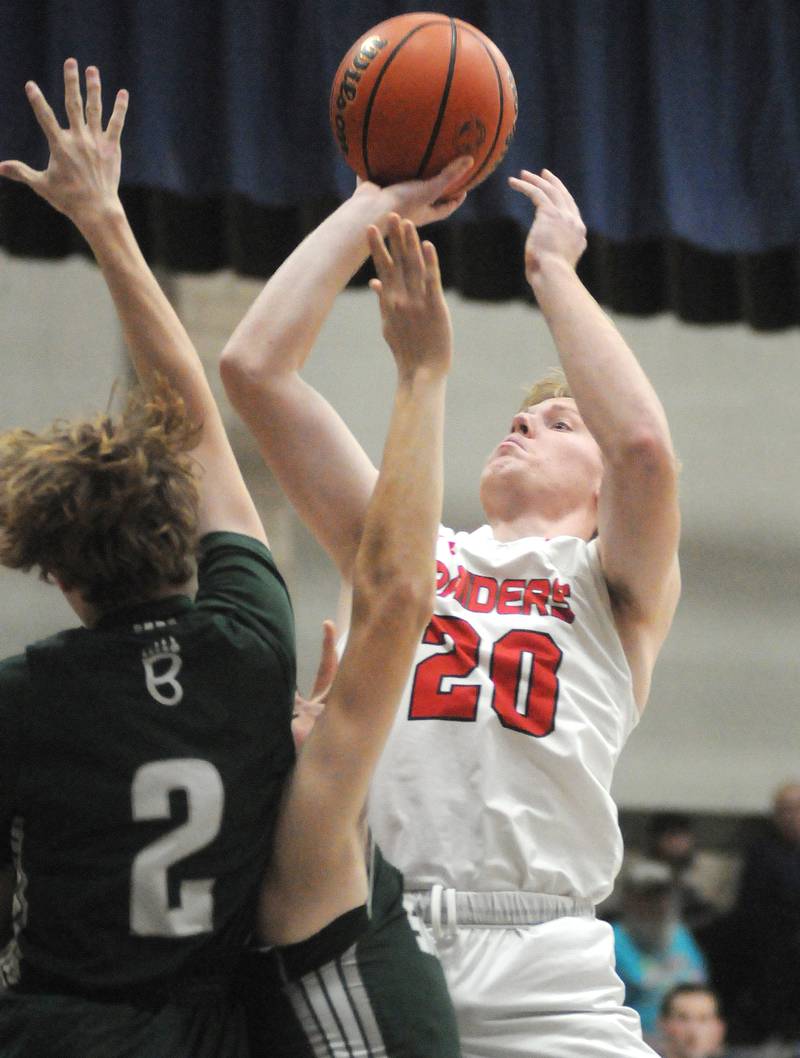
140	773
36	1025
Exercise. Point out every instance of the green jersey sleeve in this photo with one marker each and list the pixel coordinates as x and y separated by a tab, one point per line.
14	692
238	579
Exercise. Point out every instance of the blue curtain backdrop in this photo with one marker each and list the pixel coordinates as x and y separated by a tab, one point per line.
676	124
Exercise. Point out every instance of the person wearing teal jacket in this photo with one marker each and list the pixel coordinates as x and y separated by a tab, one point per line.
654	950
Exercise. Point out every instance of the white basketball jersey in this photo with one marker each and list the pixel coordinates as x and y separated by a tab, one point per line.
497	772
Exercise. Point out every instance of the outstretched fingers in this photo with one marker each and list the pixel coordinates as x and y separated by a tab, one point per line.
537	187
401	265
395	235
433	276
543	187
73	100
449	176
411	259
443	201
83	169
94	100
328	662
13	169
558	231
117	120
381	258
94	107
560	186
529	189
19	171
43	113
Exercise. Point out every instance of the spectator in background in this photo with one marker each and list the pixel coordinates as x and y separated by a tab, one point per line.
689	1023
764	991
654	949
705	881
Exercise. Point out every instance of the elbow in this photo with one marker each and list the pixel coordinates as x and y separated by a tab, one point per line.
246	369
647	452
418	602
397	602
411	600
237	370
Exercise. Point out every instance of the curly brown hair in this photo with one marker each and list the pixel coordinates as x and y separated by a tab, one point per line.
107	507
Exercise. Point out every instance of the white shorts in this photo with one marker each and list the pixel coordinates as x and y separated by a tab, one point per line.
532	991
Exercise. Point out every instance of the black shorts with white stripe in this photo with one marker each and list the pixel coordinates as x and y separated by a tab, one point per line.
363	987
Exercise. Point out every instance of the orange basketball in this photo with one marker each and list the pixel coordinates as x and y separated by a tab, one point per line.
417	91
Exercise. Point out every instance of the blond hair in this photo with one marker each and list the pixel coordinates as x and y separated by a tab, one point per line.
553	384
107	507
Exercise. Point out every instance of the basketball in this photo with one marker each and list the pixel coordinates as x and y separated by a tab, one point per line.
417	91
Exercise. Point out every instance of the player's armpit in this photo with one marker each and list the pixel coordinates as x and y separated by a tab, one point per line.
639	530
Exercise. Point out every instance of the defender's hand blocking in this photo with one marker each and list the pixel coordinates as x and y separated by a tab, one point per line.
416	320
306	710
82	175
558	229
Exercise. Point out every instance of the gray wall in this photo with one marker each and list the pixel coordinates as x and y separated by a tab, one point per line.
721	729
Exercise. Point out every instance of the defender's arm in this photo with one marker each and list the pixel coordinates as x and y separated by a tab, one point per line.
81	181
318	871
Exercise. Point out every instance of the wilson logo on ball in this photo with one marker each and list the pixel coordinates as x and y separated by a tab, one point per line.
348	86
418	91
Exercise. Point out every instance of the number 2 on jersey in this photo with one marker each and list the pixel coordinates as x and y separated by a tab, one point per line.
523	670
151	914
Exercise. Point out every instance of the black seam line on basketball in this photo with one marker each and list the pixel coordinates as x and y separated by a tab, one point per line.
353	1004
378	79
443	102
332	1008
489	153
322	1033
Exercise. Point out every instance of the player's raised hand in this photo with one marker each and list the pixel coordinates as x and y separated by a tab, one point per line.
423	201
82	175
416	319
306	710
558	229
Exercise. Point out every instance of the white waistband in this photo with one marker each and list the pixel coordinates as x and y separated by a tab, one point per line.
444	909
